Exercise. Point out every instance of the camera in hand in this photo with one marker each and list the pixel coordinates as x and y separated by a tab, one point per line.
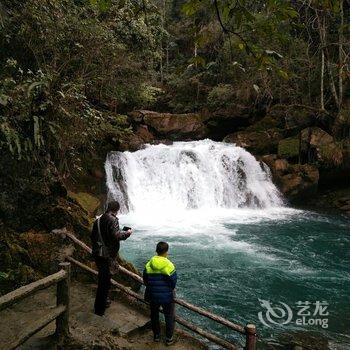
126	228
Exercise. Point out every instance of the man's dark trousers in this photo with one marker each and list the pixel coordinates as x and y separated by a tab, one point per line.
104	284
169	315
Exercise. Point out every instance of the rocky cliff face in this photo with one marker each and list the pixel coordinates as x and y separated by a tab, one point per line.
295	141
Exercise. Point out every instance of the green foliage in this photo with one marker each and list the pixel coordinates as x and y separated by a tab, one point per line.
221	96
67	68
3	275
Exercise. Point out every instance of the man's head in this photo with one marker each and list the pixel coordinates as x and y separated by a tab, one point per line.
113	207
162	248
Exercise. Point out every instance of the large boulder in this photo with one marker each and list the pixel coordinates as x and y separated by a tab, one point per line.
294	118
312	145
172	126
268	122
257	142
341	126
295	181
228	120
136	141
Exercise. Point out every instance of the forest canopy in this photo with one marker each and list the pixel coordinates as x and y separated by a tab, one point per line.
82	65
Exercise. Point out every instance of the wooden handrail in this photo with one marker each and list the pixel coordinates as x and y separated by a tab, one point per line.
187	305
63	298
60	313
36	326
29	289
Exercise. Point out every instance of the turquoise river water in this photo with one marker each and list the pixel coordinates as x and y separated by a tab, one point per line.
240	251
227	262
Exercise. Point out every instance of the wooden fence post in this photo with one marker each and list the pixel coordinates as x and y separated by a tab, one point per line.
63	295
250	337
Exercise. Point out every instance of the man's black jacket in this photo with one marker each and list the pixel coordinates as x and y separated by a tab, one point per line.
110	232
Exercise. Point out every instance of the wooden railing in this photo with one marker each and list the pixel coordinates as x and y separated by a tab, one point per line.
60	313
249	331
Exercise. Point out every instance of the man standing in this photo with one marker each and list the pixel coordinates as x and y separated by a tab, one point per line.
106	237
159	277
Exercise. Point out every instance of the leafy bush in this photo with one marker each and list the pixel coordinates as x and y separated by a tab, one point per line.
221	96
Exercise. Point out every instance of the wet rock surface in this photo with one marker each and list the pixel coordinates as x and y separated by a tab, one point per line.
257	142
172	126
294	180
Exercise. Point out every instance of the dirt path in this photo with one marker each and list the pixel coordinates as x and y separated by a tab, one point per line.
123	327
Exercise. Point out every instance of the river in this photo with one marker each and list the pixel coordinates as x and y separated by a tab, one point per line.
239	249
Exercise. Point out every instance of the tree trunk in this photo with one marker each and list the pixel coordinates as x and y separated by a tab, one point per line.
322	62
341	60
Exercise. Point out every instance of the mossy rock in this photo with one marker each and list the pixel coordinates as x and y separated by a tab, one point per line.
297	117
289	148
257	142
268	122
88	202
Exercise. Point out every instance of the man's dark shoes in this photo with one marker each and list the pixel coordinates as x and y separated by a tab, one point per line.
108	303
169	341
156	338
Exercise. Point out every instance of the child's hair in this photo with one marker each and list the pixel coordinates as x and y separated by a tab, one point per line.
162	247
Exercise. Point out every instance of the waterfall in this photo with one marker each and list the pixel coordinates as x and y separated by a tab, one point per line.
189	175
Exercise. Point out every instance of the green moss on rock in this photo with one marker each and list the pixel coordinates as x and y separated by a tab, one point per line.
88	202
268	122
289	148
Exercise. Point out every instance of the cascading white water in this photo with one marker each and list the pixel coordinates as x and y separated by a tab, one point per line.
189	175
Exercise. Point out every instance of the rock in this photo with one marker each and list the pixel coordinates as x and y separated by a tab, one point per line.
170	126
281	165
300	182
344	200
176	126
304	340
88	202
257	142
136	117
44	250
345	207
311	145
224	121
268	122
298	117
137	140
294	181
322	145
289	148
